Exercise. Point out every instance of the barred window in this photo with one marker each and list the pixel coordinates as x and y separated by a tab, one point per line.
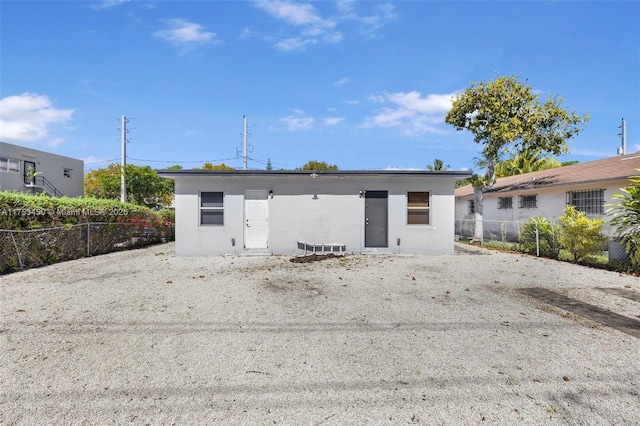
528	201
471	207
418	208
211	208
590	201
505	202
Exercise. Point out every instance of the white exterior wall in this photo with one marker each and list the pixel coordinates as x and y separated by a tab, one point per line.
337	216
551	203
51	166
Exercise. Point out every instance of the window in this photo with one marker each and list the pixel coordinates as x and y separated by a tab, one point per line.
471	207
9	165
66	173
590	201
528	201
505	202
417	208
211	208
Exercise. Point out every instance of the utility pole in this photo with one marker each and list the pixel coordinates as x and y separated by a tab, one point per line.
244	145
623	148
123	182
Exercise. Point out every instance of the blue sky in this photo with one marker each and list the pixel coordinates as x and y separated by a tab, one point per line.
360	84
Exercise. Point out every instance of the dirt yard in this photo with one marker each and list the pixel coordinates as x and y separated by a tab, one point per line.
478	337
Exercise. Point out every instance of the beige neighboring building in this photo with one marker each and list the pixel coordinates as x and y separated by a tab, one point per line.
55	175
587	186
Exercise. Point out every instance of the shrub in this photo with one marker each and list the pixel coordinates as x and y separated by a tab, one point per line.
581	236
37	230
626	219
547	237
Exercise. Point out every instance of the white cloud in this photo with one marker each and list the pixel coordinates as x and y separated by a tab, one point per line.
296	43
382	14
341	82
29	116
297	122
332	121
415	113
293	13
107	4
315	29
186	34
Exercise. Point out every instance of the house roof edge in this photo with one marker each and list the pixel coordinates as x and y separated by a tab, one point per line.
317	173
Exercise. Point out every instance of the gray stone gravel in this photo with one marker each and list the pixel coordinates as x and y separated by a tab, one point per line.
144	337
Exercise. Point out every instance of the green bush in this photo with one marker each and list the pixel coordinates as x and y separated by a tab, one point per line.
626	219
547	237
581	236
26	211
46	230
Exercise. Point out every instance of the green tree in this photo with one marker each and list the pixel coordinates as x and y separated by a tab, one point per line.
317	165
144	186
506	117
438	164
269	165
581	236
210	166
626	219
527	161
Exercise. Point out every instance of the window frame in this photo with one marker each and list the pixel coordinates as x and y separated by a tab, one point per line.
6	162
505	203
528	201
218	209
66	172
419	206
471	207
591	203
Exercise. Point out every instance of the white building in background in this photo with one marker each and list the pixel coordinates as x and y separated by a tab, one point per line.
30	170
270	212
587	186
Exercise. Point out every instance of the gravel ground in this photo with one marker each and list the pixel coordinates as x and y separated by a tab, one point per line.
144	337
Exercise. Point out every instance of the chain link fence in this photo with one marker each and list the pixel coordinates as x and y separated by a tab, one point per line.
24	249
514	235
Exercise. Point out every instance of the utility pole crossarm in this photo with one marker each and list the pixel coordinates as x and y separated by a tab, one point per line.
244	144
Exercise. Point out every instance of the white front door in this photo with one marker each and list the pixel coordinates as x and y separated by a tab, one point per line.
256	220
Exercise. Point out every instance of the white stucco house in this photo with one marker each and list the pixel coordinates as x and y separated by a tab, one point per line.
270	212
589	186
55	175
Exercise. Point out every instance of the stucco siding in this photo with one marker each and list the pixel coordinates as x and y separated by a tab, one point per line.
323	210
51	166
550	204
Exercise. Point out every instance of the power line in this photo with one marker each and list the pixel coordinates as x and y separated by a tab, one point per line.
103	161
183	162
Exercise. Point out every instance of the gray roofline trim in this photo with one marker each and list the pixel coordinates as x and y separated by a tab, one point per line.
319	173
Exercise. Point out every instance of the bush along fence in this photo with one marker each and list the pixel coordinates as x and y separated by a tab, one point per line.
575	242
40	230
24	249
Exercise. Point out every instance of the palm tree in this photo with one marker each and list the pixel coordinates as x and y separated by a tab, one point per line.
527	161
625	217
438	164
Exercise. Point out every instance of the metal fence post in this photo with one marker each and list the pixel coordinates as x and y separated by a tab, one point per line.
537	241
17	251
88	239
